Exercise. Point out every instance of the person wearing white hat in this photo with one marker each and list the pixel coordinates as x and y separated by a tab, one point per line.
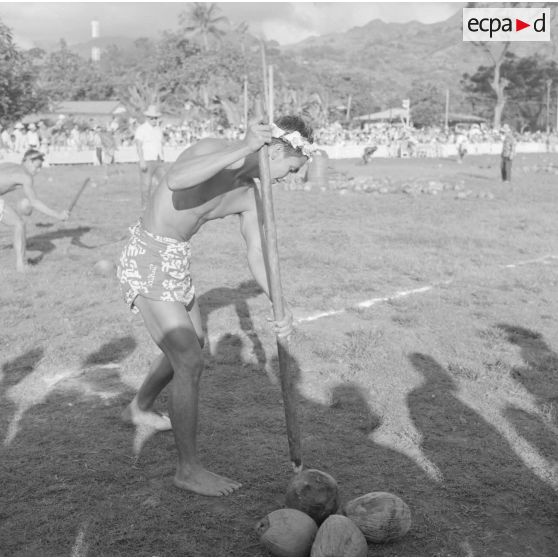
20	138
12	176
33	140
149	145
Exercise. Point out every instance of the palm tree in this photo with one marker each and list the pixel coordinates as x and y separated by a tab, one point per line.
201	19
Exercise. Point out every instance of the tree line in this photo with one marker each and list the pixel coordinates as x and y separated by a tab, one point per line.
204	66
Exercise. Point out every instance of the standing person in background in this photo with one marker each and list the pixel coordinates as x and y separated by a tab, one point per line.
461	144
149	144
33	140
98	144
508	153
5	138
20	140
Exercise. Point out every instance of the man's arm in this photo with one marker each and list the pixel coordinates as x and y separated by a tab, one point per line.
208	157
27	184
251	228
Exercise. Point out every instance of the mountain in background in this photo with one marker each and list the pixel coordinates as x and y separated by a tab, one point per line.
393	55
384	58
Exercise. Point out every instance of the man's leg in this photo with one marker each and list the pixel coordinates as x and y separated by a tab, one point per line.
172	329
12	219
155	172
503	169
142	179
160	374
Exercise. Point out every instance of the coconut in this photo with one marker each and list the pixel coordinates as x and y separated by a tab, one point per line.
287	532
381	516
24	207
104	267
313	492
339	536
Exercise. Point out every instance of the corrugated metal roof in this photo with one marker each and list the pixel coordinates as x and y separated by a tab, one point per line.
389	114
87	107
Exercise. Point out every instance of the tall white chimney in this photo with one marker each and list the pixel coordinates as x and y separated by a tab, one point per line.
95	50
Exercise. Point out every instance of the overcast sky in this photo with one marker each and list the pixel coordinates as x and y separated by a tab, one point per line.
286	22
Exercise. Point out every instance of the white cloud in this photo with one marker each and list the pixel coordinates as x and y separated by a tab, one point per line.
285	22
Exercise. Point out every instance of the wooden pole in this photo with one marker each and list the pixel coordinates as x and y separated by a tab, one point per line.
78	194
446	119
245	104
264	73
276	292
270	95
548	84
348	113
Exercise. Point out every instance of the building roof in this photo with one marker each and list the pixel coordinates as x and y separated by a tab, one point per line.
459	118
89	107
388	114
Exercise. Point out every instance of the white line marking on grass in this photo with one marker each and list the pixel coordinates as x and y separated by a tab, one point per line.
79	547
371	302
543	260
402	294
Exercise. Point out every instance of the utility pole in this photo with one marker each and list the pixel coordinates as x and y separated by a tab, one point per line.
446	120
548	84
348	114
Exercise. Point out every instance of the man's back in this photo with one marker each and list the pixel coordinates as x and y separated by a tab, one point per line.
179	214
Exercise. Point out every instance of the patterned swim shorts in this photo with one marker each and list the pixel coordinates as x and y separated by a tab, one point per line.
155	267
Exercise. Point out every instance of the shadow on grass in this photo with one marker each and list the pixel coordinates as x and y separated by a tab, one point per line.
113	351
539	376
222	297
13	371
44	242
71	484
494	501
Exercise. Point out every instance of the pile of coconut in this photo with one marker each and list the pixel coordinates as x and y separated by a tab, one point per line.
315	523
548	168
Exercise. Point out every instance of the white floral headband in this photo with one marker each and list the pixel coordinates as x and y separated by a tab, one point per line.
294	139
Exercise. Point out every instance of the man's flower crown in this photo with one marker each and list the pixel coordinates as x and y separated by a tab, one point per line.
294	139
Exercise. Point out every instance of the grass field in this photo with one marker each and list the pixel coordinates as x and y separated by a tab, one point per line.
444	390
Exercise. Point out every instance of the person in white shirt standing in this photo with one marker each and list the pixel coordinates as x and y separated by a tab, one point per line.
20	138
149	144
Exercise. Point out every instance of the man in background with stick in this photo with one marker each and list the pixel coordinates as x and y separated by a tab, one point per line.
210	180
13	175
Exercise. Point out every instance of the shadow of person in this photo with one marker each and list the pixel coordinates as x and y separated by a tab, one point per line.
112	352
44	242
539	376
249	444
222	297
66	468
13	371
490	496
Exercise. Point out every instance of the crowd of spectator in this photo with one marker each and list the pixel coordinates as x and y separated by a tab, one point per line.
66	134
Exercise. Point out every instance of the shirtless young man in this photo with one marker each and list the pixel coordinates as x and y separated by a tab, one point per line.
13	175
210	180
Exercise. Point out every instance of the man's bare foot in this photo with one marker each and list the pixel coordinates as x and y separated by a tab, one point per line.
206	483
133	414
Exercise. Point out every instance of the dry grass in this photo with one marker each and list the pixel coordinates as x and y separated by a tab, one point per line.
448	398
